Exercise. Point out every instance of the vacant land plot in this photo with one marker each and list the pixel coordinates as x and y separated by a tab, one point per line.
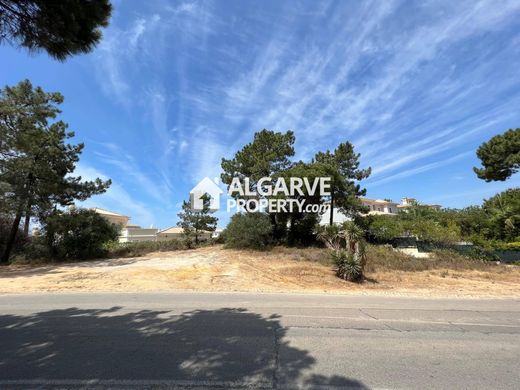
281	269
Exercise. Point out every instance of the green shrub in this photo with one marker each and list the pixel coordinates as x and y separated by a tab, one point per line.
428	225
506	246
382	229
249	230
77	234
348	267
382	258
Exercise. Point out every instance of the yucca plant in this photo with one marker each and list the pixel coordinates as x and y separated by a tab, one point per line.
348	267
346	242
330	235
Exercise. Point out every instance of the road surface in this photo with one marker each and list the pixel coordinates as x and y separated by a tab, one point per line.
188	340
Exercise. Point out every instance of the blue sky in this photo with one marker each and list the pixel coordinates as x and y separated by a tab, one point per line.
175	86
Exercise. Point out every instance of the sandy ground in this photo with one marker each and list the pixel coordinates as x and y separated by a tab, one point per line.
219	269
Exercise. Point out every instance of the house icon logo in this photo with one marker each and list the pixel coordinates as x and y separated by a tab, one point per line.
205	187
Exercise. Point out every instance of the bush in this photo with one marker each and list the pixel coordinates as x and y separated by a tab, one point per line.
249	230
135	249
382	229
347	266
506	246
381	258
77	235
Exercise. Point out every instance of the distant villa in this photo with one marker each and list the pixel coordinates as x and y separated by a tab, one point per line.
376	207
132	233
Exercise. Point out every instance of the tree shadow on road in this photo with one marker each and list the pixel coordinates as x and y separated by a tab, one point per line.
224	347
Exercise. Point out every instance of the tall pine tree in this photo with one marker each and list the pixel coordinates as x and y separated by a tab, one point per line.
36	162
342	166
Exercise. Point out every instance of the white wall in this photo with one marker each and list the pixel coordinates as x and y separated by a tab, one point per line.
138	234
338	217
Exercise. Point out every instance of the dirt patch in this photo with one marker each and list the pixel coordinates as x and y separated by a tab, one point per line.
280	270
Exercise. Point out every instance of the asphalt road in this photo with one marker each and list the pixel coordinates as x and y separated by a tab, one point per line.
194	340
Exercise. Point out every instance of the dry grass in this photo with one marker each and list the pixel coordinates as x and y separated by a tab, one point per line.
384	258
281	269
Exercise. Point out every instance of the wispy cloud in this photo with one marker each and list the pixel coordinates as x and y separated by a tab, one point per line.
128	169
116	198
414	85
419	169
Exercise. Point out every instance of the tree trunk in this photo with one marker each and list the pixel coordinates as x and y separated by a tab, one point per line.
27	222
331	220
12	237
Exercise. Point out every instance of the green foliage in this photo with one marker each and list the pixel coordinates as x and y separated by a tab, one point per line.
426	223
382	229
267	156
347	246
500	156
507	246
36	163
342	166
347	266
140	248
383	258
196	222
300	231
330	235
249	230
432	230
474	223
503	213
77	234
61	28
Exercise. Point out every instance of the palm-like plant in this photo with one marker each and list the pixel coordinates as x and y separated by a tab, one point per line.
347	266
330	235
354	240
348	249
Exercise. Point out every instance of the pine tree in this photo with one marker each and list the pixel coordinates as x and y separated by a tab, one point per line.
500	156
61	28
35	160
196	222
342	166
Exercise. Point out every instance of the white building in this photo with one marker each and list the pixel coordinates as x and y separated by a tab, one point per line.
376	207
129	231
176	232
380	207
134	233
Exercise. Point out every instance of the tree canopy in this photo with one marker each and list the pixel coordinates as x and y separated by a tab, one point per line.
342	165
36	162
503	211
61	28
267	156
500	156
196	222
